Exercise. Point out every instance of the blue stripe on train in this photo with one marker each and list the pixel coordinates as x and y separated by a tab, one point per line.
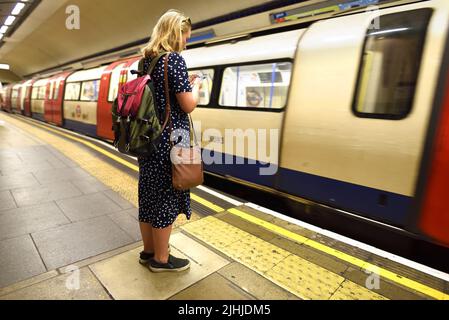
38	116
81	127
372	203
376	204
230	165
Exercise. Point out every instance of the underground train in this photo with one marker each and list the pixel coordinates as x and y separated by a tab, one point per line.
358	105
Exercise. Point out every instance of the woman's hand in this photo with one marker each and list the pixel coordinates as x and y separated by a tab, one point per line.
195	80
192	78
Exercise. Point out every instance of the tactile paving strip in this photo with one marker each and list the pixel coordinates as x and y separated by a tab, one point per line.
259	254
299	276
351	291
305	279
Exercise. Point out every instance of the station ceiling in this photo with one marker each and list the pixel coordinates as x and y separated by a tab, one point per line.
43	41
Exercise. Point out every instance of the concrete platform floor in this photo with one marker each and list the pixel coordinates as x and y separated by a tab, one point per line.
73	215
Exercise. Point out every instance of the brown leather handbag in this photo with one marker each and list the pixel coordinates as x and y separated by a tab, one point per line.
187	165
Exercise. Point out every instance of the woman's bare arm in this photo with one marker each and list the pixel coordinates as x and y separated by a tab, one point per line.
189	100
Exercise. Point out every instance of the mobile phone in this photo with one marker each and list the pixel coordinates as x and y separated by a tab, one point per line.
202	77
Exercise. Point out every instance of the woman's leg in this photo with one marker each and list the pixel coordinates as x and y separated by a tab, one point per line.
161	238
147	237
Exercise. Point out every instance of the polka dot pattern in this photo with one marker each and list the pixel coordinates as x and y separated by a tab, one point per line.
159	202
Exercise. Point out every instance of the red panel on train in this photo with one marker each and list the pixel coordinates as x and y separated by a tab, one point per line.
435	219
54	97
108	94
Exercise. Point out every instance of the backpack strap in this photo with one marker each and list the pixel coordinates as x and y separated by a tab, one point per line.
155	61
152	65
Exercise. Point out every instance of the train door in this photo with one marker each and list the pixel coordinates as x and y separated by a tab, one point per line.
27	97
23	91
15	98
8	93
48	102
110	82
57	97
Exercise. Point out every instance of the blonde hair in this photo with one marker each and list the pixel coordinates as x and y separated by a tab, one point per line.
167	34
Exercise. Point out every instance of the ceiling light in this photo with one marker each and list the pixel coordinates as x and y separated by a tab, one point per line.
19	6
4	66
3	29
9	20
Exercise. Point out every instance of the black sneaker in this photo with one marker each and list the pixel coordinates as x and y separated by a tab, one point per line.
173	265
145	257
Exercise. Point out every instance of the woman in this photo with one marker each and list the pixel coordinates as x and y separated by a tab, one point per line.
159	202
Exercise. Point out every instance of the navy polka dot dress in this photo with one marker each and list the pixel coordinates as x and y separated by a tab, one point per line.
159	202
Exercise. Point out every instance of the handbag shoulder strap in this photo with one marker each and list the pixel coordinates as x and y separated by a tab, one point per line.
167	100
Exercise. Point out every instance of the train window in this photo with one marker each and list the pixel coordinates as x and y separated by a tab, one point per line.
52	87
89	91
72	91
41	92
390	65
34	93
56	90
206	87
260	86
115	81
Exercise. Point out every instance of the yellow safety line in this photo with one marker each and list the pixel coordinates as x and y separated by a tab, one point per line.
93	146
343	256
206	203
284	232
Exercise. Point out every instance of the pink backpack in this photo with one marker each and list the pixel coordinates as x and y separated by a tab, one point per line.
130	96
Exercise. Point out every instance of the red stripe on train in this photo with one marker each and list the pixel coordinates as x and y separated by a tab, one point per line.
435	213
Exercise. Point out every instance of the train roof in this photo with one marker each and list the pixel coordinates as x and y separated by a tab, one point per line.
28	83
40	82
84	75
268	47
